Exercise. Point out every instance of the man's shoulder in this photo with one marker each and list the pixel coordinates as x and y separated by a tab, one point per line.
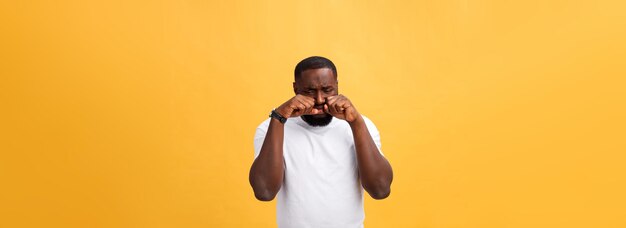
367	120
264	125
265	122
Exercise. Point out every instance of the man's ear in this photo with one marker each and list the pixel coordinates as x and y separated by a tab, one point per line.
294	88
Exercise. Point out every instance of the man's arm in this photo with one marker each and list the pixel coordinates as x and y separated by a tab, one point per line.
374	170
268	170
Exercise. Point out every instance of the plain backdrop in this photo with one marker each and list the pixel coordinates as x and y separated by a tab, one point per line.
141	113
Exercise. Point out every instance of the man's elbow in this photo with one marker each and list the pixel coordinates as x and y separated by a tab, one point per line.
379	189
380	193
264	195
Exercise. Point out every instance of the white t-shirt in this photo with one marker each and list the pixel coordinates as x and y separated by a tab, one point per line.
321	188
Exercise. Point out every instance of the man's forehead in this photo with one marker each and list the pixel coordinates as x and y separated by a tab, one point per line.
316	85
317	77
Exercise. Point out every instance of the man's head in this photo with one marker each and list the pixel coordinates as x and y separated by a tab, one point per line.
316	77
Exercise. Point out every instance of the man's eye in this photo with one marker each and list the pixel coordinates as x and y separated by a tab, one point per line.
328	90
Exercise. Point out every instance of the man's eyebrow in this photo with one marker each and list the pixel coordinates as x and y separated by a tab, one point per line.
315	88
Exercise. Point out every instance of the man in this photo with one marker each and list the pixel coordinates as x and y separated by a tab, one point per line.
318	154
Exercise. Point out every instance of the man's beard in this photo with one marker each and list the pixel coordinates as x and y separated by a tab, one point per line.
317	121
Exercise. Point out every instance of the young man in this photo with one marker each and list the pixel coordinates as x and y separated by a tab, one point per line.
318	154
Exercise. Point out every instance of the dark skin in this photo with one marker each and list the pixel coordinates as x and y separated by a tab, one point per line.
317	95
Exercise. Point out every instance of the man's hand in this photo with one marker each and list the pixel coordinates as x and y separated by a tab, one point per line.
297	106
340	107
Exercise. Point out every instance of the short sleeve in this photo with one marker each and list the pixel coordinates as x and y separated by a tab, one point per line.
374	133
259	137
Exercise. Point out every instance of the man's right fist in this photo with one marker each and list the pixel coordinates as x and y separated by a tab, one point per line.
297	106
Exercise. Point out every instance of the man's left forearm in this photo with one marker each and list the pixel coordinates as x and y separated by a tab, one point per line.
374	169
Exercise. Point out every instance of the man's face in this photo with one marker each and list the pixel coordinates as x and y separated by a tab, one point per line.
317	84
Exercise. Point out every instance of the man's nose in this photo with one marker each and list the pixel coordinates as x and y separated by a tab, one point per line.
319	98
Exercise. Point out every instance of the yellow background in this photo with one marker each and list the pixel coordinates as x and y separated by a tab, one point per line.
141	113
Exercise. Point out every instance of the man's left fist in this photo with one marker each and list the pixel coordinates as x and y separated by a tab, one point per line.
340	107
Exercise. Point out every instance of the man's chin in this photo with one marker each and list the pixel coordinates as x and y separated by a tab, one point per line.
318	120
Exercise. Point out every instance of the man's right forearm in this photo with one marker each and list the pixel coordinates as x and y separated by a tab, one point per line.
268	170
